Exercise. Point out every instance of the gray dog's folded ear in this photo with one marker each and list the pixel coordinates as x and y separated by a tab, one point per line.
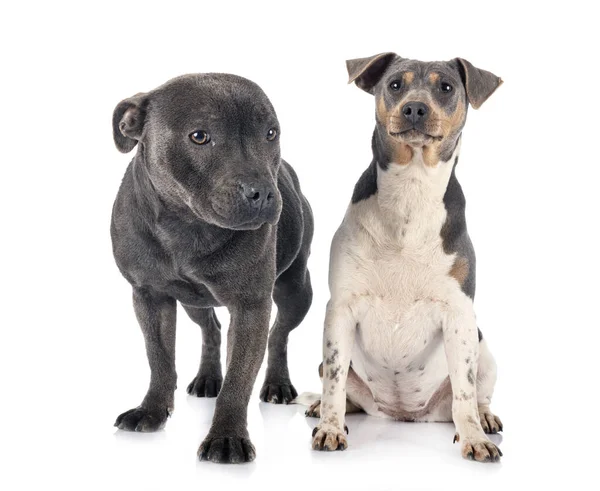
366	72
128	122
479	84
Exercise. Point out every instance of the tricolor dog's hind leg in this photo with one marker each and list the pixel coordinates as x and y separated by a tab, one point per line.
486	379
354	386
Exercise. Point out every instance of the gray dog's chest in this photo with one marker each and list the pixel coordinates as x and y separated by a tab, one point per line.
177	276
191	293
198	264
169	259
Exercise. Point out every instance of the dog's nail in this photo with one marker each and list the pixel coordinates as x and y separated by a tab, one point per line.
315	429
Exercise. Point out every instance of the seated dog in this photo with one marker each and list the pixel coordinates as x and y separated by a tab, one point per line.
209	215
401	340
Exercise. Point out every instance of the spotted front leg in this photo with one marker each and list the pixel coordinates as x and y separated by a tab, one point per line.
338	340
462	352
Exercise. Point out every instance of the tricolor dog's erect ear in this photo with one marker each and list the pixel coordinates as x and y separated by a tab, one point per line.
479	84
366	72
128	121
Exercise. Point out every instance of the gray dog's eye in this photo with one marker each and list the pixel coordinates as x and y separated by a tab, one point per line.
200	137
395	85
446	87
271	134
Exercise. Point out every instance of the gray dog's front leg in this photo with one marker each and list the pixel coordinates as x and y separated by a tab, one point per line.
207	383
156	314
228	440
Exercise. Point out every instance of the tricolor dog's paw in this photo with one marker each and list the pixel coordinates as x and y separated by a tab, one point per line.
489	421
329	437
227	450
479	449
314	411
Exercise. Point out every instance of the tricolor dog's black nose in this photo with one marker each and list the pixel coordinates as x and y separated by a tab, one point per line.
258	196
415	111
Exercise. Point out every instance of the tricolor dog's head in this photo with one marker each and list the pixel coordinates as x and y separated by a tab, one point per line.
421	104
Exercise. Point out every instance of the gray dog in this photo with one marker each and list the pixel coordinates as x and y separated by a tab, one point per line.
209	215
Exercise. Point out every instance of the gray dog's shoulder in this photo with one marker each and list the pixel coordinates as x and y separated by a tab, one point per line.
296	220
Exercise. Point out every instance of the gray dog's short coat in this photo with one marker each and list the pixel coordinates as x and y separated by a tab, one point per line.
208	214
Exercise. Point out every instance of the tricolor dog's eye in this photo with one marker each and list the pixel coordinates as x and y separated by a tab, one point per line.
395	85
445	87
200	137
271	134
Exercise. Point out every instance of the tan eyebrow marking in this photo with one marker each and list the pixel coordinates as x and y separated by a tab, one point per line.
434	77
408	77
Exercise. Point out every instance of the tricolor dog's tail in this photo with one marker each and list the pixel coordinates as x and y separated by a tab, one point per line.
307	398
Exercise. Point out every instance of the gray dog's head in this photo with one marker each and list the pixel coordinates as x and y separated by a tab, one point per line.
421	104
209	142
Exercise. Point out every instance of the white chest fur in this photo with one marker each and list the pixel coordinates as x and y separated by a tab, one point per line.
389	266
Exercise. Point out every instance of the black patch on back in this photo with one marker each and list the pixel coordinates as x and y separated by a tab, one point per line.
455	238
479	335
382	151
456	224
366	185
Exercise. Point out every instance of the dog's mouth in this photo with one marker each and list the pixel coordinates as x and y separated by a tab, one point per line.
248	225
414	137
253	222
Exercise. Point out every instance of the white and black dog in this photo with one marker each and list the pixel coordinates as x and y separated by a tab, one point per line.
401	339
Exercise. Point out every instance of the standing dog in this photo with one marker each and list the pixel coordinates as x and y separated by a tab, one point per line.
400	336
209	215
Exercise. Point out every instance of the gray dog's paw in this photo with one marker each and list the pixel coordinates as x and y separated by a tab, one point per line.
142	419
203	386
227	450
278	392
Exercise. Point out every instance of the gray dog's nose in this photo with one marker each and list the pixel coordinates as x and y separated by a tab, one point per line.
415	111
258	195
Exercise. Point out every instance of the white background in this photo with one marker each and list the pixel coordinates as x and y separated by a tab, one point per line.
72	354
